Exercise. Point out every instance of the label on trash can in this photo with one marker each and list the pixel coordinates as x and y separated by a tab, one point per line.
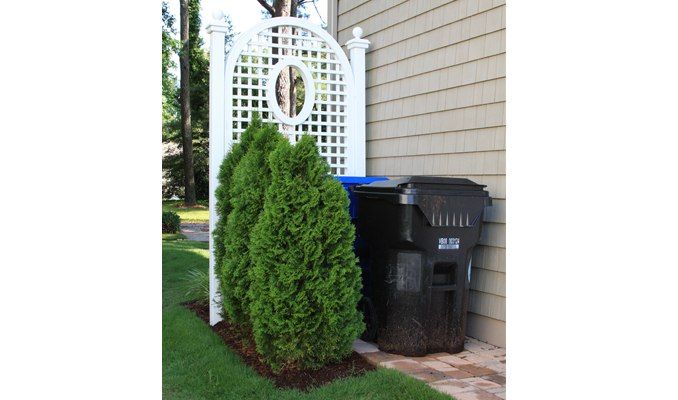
445	243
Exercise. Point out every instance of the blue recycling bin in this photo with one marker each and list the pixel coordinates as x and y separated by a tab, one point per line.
361	251
349	182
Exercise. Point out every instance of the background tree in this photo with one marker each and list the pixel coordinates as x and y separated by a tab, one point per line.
185	101
286	86
170	105
172	176
200	98
173	162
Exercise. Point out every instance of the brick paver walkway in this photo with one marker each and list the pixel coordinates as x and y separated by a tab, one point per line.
196	231
477	373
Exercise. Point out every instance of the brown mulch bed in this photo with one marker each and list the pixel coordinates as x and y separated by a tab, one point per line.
243	344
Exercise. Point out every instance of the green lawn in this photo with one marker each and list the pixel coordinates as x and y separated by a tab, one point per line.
199	213
173	236
196	364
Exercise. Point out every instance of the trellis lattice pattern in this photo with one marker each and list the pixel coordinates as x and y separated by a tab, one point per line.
256	71
244	81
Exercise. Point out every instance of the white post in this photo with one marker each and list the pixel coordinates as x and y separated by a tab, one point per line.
218	142
356	48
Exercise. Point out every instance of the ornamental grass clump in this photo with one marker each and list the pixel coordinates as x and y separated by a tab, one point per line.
250	179
305	283
223	202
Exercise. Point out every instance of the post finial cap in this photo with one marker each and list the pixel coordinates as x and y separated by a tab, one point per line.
218	15
357	32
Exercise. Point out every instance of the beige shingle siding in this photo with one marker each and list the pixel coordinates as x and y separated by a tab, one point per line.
436	92
348	5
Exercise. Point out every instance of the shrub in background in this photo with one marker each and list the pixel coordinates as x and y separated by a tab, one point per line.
249	182
170	222
305	280
223	202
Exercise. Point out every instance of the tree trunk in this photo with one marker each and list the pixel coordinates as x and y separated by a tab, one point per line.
185	97
293	82
283	8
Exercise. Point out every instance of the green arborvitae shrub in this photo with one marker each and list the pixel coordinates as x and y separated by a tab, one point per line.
305	280
171	222
223	203
249	182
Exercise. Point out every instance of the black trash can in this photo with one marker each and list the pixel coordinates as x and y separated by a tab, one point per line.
421	232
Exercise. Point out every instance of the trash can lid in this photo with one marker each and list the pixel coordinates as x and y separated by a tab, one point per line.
439	199
425	185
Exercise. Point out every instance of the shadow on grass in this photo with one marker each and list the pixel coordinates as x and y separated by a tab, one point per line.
173	236
198	213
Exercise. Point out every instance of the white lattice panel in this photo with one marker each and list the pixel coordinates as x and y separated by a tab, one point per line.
327	78
244	82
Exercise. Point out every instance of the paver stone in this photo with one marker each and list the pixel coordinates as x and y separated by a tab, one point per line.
439	366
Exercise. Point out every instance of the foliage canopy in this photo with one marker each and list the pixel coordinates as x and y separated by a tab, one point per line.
199	80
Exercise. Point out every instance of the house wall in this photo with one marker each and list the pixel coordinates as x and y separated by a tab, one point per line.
436	92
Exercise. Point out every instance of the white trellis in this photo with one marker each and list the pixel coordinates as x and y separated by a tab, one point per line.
334	102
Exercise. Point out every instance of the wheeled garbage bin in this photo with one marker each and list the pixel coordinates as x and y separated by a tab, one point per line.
421	232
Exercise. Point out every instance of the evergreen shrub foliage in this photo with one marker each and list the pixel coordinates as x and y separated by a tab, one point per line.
305	282
223	203
250	179
171	222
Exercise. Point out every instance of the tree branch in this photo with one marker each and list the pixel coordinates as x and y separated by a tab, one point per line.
267	6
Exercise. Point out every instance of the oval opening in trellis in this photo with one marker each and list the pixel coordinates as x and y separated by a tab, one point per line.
303	76
295	80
